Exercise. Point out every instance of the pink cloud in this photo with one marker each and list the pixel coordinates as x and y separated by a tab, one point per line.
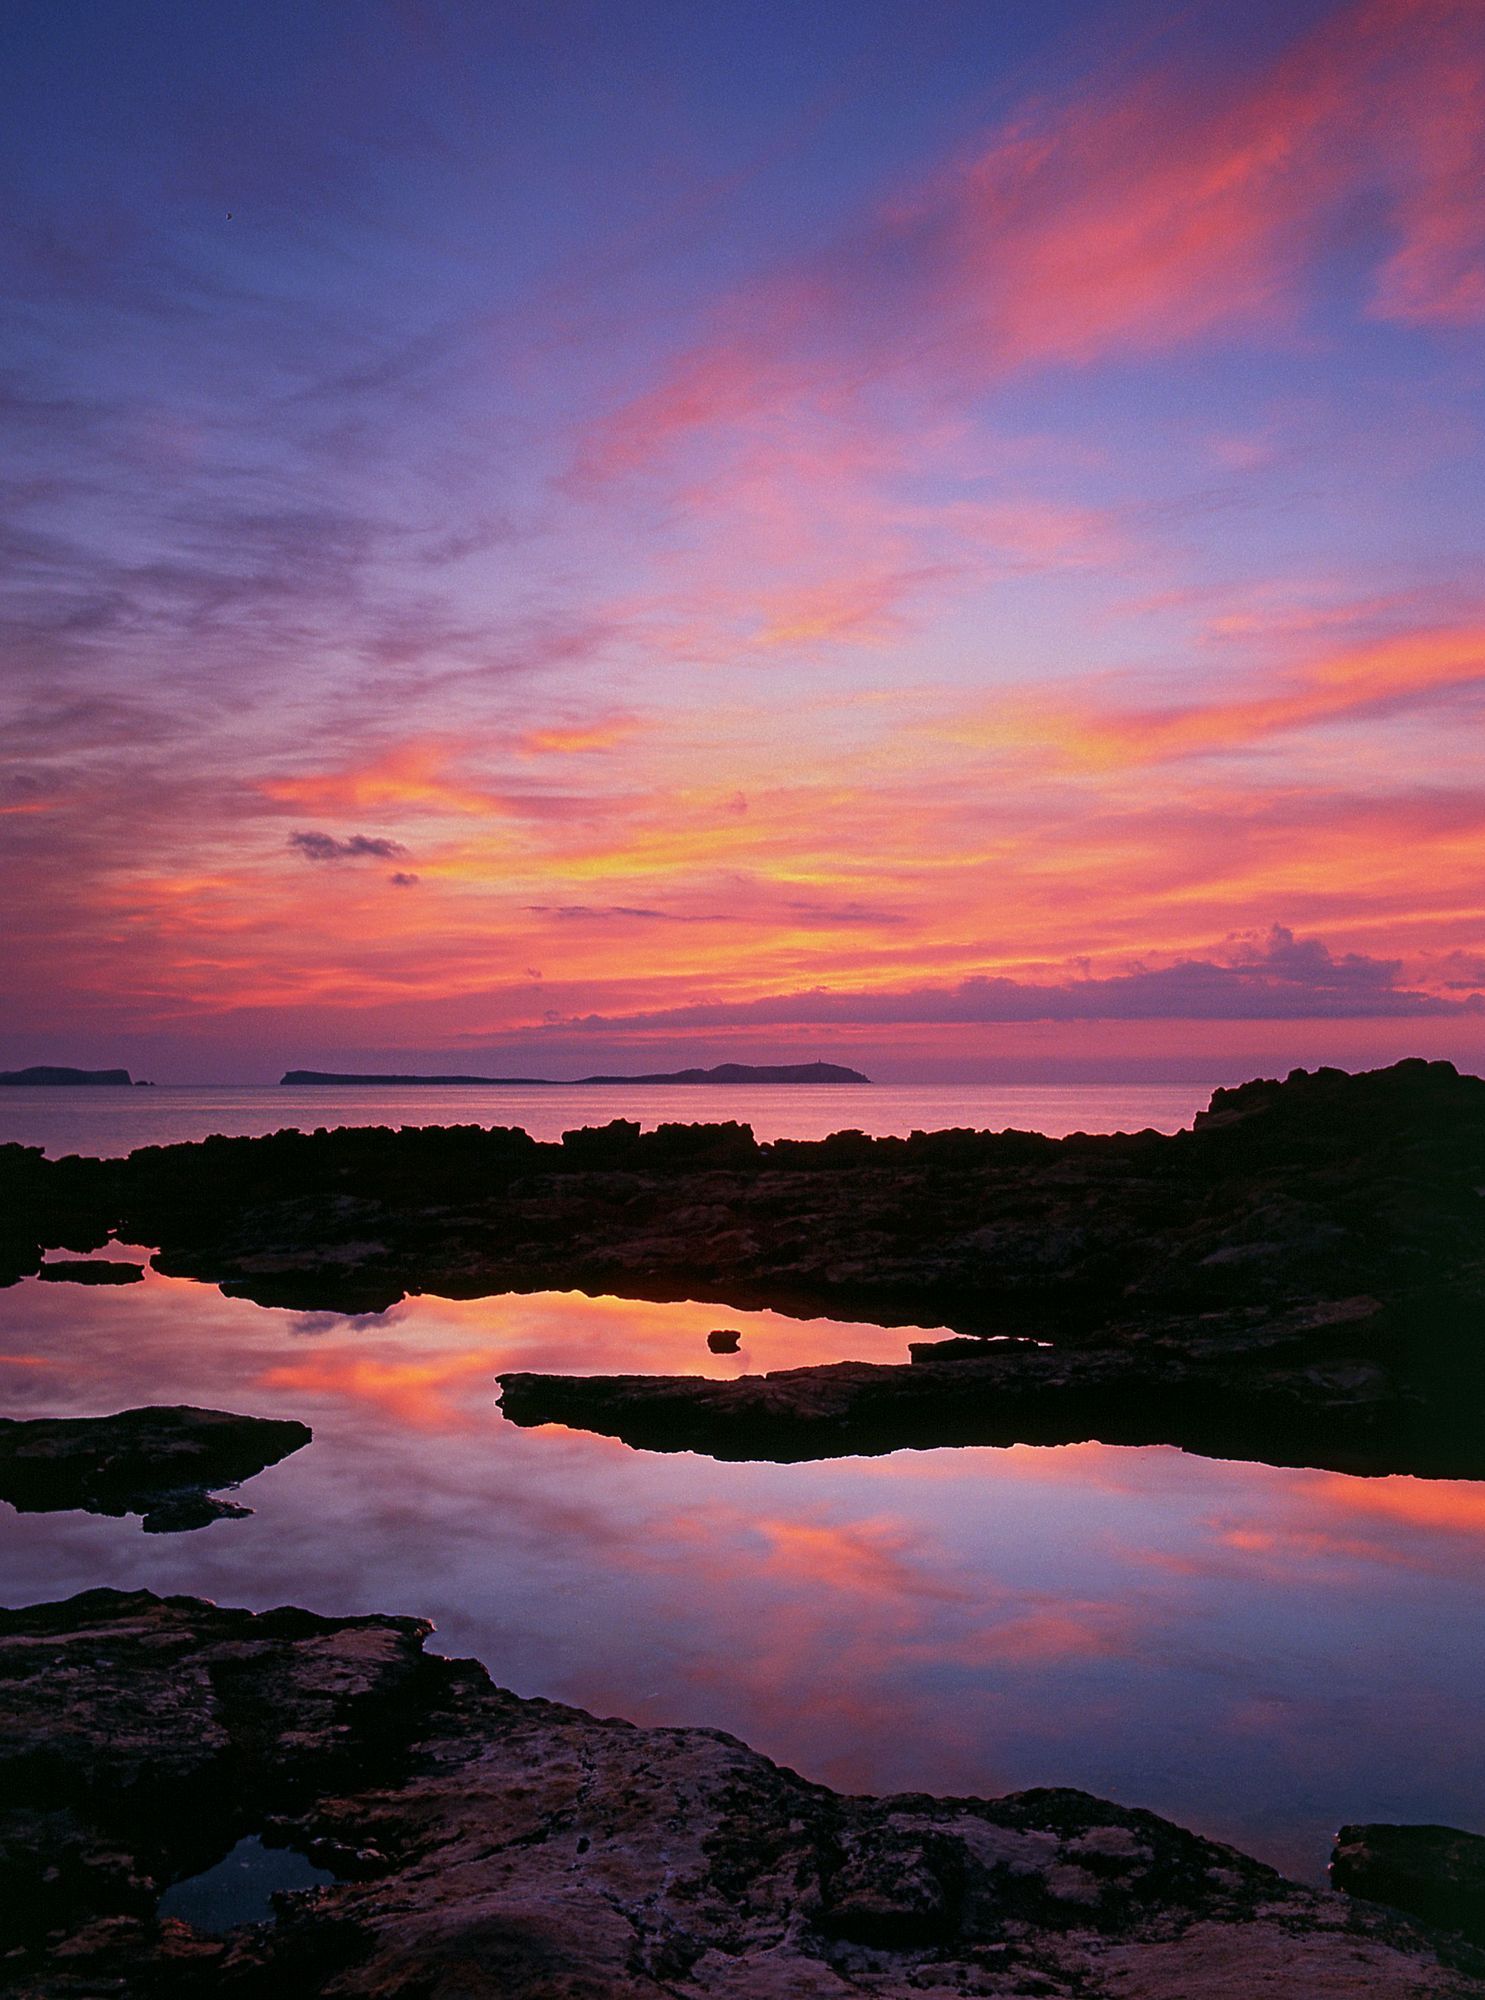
1404	671
1188	207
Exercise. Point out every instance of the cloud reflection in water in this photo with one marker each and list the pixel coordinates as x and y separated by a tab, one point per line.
1259	1653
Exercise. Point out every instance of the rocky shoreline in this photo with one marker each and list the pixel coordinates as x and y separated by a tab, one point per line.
488	1845
1286	1387
160	1462
1299	1278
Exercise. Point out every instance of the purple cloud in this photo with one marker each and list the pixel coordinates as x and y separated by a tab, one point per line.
1283	979
359	847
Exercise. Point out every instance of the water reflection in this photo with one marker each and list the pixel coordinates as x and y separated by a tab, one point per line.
1258	1653
241	1887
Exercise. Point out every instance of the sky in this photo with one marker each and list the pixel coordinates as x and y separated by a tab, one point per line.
608	533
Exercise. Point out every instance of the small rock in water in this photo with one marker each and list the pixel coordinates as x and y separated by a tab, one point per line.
723	1340
159	1462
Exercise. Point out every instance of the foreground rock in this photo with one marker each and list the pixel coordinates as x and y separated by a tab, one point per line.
491	1846
160	1462
1211	1274
1433	1872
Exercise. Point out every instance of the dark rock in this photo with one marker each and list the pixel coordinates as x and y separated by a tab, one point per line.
735	1073
1249	1385
522	1850
160	1462
723	1073
90	1271
724	1340
1433	1872
50	1074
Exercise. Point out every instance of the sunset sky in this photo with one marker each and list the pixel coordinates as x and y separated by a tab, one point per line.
945	536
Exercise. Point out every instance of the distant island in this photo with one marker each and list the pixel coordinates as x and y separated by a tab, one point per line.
44	1073
816	1072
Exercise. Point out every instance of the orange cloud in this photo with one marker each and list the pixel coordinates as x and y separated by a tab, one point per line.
1408	670
579	737
411	776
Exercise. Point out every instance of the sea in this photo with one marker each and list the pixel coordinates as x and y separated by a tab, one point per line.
1258	1653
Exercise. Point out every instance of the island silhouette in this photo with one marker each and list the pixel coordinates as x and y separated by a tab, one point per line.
815	1072
53	1073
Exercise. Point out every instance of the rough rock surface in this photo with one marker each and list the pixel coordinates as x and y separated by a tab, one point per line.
91	1271
1213	1257
490	1846
1433	1872
158	1462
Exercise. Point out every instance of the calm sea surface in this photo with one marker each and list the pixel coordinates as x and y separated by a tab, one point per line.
1258	1654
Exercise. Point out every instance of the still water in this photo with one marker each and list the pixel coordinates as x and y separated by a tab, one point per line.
1258	1654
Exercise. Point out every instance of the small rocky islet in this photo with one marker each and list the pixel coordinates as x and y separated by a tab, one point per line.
160	1462
1297	1278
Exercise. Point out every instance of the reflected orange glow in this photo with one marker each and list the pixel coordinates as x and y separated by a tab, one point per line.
875	1558
427	1393
1447	1506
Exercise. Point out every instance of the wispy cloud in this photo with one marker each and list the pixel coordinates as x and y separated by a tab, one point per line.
1183	206
1363	680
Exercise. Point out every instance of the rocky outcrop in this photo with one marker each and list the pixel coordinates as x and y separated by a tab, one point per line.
161	1463
1433	1872
490	1846
1212	1257
90	1271
1255	1386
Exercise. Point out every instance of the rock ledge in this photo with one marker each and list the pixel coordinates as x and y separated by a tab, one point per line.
490	1846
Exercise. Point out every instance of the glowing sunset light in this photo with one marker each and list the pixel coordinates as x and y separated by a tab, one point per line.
947	537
